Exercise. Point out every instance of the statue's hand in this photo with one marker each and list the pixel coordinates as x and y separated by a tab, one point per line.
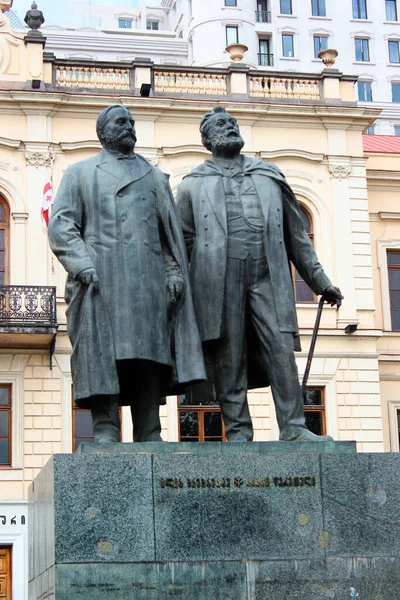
175	287
89	276
332	295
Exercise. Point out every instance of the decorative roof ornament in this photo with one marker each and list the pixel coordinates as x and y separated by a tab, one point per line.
328	57
34	18
236	51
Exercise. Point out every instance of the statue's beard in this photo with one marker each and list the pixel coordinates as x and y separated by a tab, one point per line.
124	143
227	144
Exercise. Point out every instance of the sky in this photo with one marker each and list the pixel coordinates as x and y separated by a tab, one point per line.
59	13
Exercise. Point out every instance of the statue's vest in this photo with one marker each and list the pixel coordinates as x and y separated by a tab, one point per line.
244	218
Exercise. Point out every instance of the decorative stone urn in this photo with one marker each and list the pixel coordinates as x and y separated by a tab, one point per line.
236	51
328	57
5	5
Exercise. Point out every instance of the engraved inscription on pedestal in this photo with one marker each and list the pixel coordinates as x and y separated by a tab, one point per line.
227	482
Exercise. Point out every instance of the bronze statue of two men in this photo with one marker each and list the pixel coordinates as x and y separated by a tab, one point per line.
152	289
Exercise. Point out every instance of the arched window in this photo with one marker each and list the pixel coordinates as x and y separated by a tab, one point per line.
4	241
301	290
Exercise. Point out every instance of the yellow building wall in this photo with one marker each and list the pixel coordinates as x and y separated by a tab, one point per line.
323	163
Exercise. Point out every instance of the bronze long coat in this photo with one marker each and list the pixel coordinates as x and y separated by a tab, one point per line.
202	208
118	216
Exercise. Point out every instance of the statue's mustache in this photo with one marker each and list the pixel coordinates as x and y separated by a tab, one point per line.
231	137
113	139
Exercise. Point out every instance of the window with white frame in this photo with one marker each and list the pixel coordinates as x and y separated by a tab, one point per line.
320	43
361	46
394	51
152	25
318	8
389	262
302	292
263	15
265	58
288	45
125	23
5	425
314	410
232	34
286	7
360	9
395	91
199	416
4	240
391	10
364	89
396	130
393	265
394	424
230	2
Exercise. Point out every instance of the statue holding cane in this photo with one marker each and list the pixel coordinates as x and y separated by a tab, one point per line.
242	225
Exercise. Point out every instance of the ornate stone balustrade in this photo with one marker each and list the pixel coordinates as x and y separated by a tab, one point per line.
190	82
92	76
278	86
176	81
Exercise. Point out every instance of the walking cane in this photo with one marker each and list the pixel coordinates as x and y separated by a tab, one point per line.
312	347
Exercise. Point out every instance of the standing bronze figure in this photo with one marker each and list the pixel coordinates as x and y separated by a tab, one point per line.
130	315
242	225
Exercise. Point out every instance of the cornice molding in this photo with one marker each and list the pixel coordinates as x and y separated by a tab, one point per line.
185	149
295	115
82	145
383	180
383	175
297	174
10	143
293	153
20	217
389	216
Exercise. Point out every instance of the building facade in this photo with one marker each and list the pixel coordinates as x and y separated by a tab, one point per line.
311	126
281	35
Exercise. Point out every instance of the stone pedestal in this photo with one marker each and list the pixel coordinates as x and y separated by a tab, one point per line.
216	521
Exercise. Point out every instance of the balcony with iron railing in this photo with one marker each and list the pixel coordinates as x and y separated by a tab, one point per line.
265	60
263	16
28	316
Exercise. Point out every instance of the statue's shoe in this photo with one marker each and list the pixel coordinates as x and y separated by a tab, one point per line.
106	433
301	434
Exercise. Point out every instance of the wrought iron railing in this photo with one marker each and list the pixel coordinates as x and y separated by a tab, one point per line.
27	305
265	60
263	16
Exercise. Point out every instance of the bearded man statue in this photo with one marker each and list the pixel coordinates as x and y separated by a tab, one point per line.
130	315
242	225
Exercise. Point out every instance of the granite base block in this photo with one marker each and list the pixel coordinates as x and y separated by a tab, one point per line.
246	521
337	579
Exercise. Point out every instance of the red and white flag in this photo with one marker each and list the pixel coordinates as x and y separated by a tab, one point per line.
46	203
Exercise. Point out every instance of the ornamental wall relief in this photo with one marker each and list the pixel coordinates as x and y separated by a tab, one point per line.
340	171
38	159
